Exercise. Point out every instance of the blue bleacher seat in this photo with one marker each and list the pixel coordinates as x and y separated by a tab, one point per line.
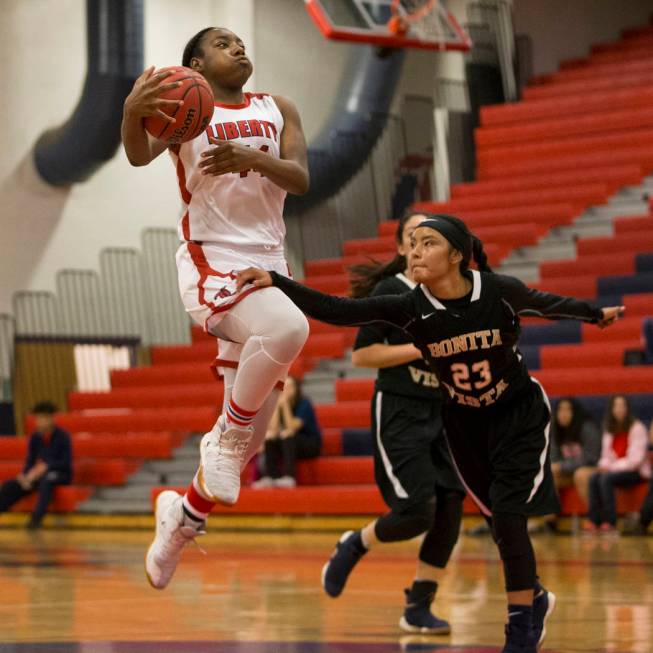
357	442
644	263
626	284
556	333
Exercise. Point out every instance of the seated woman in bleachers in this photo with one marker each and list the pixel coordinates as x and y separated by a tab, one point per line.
638	523
293	434
575	450
624	462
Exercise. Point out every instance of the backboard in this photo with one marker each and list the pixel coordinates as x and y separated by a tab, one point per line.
429	25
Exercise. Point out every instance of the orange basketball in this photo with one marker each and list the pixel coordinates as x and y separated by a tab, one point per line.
192	117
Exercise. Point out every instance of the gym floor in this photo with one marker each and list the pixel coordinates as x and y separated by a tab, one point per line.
85	591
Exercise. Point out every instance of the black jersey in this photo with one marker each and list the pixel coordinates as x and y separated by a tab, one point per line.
414	379
469	343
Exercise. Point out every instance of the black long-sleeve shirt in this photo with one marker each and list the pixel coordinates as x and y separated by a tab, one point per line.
55	452
414	379
470	343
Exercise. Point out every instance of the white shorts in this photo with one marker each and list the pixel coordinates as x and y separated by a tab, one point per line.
207	284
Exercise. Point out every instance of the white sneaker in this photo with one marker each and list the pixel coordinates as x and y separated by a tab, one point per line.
285	482
172	535
263	482
223	451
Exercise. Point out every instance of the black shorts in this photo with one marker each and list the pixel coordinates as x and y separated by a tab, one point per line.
502	454
411	458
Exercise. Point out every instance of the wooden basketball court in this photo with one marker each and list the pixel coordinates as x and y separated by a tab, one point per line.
85	591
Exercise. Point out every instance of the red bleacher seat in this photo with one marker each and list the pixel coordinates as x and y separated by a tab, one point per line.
585	87
612	176
579	195
599	354
352	414
163	396
354	390
574	126
628	225
554	149
628	328
316	500
86	472
66	499
596	380
628	499
504	114
584	287
336	470
198	419
621	263
630	242
573	158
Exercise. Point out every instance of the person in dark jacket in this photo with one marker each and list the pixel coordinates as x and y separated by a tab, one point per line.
48	464
575	451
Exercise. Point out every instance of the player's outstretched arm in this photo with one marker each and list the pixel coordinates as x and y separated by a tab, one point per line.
143	101
343	311
529	301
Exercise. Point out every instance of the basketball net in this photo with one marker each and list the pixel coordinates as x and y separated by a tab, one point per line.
420	19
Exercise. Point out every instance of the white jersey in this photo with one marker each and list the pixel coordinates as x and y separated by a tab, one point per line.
236	209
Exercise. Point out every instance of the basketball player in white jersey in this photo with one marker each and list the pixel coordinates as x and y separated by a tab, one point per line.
233	180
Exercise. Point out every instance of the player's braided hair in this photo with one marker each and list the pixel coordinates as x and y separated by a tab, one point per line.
193	47
364	276
479	255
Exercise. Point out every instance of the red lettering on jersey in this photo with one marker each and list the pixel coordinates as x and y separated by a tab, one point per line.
231	130
211	132
255	127
243	127
266	127
270	129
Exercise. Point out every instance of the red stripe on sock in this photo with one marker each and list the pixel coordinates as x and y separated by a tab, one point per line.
241	411
197	501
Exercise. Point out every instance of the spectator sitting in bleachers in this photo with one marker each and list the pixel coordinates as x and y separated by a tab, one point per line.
575	451
624	462
48	464
638	523
293	433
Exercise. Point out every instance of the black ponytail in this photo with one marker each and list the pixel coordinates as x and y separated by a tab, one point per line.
479	255
364	276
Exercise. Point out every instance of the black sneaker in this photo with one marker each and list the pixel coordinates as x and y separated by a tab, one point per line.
519	640
543	605
417	617
335	572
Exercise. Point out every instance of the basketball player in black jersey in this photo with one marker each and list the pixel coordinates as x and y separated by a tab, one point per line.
412	465
496	417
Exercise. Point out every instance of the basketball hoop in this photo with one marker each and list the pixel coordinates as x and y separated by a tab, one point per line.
423	24
407	13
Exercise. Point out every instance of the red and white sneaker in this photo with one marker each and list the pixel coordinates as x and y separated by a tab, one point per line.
223	452
173	532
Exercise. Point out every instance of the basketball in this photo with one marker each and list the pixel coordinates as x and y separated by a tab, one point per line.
192	117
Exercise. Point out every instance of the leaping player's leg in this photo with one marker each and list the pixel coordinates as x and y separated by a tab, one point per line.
273	331
196	502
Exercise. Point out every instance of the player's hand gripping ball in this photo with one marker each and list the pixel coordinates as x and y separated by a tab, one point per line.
191	116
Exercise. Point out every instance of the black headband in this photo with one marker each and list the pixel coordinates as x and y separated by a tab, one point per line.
458	236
